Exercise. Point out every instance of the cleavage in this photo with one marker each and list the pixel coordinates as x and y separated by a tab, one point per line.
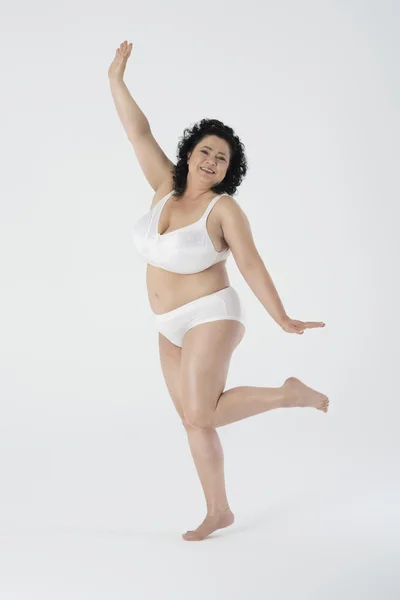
176	228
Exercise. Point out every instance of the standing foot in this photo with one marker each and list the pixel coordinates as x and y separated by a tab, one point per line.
299	394
211	523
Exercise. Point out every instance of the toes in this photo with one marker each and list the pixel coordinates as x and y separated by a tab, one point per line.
191	536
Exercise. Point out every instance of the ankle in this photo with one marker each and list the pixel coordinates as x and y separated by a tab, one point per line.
288	397
217	510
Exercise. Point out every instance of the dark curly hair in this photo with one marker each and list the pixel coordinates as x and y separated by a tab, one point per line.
191	137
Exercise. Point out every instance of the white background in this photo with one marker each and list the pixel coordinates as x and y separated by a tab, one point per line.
97	481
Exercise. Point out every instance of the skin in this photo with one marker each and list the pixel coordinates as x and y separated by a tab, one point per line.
168	290
213	153
196	374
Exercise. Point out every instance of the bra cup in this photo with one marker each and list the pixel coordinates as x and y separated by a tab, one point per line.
186	250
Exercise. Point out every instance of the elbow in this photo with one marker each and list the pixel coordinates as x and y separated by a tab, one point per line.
251	264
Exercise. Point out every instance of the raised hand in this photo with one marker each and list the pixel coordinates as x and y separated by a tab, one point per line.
117	67
292	326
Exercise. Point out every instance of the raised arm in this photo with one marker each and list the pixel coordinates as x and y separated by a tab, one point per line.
155	165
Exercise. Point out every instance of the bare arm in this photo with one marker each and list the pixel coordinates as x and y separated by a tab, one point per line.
133	120
155	165
238	235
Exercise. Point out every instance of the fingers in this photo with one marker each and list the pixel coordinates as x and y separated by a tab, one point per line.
124	49
300	326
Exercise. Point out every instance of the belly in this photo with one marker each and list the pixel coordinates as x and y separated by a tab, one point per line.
167	290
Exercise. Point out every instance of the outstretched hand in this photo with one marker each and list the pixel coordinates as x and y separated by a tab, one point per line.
292	326
118	65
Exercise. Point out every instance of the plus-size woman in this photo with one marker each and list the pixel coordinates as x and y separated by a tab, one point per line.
194	224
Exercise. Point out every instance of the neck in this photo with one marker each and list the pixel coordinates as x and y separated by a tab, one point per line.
195	189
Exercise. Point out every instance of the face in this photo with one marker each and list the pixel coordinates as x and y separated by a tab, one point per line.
211	153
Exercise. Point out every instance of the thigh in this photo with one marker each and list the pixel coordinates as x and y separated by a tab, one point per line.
207	350
170	357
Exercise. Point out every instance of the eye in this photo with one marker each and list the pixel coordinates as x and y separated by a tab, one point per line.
220	157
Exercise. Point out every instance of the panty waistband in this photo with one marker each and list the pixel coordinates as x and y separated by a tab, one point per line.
185	307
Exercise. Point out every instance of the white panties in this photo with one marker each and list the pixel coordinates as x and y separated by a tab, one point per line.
221	305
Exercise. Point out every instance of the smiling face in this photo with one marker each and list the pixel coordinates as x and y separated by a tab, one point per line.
210	154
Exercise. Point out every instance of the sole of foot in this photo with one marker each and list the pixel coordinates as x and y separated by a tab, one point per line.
301	395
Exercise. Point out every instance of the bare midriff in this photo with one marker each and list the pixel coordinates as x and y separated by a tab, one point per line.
168	290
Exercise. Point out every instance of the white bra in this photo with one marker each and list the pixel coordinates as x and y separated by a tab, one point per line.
185	250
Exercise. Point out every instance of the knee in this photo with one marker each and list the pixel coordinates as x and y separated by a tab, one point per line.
197	419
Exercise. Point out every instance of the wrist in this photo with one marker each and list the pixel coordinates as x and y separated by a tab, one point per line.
116	79
282	319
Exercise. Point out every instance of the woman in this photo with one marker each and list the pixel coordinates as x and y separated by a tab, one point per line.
192	226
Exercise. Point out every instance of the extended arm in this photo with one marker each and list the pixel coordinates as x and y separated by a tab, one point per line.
133	120
155	164
237	233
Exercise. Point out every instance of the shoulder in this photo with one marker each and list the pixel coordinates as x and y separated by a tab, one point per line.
228	201
230	209
229	212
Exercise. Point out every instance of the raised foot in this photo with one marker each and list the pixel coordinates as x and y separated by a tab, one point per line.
211	523
300	394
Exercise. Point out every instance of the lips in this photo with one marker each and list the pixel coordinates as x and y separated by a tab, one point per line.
207	171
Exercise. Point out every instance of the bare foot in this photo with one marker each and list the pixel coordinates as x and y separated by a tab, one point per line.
300	394
211	523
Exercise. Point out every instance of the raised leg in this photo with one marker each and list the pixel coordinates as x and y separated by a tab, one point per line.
246	401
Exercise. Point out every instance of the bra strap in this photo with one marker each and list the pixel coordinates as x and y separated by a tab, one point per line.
155	217
211	205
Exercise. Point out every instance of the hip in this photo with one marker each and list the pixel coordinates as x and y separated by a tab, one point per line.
221	305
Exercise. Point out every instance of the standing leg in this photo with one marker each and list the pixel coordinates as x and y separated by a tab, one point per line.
208	457
202	382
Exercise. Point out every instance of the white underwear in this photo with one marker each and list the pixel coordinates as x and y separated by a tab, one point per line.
222	305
